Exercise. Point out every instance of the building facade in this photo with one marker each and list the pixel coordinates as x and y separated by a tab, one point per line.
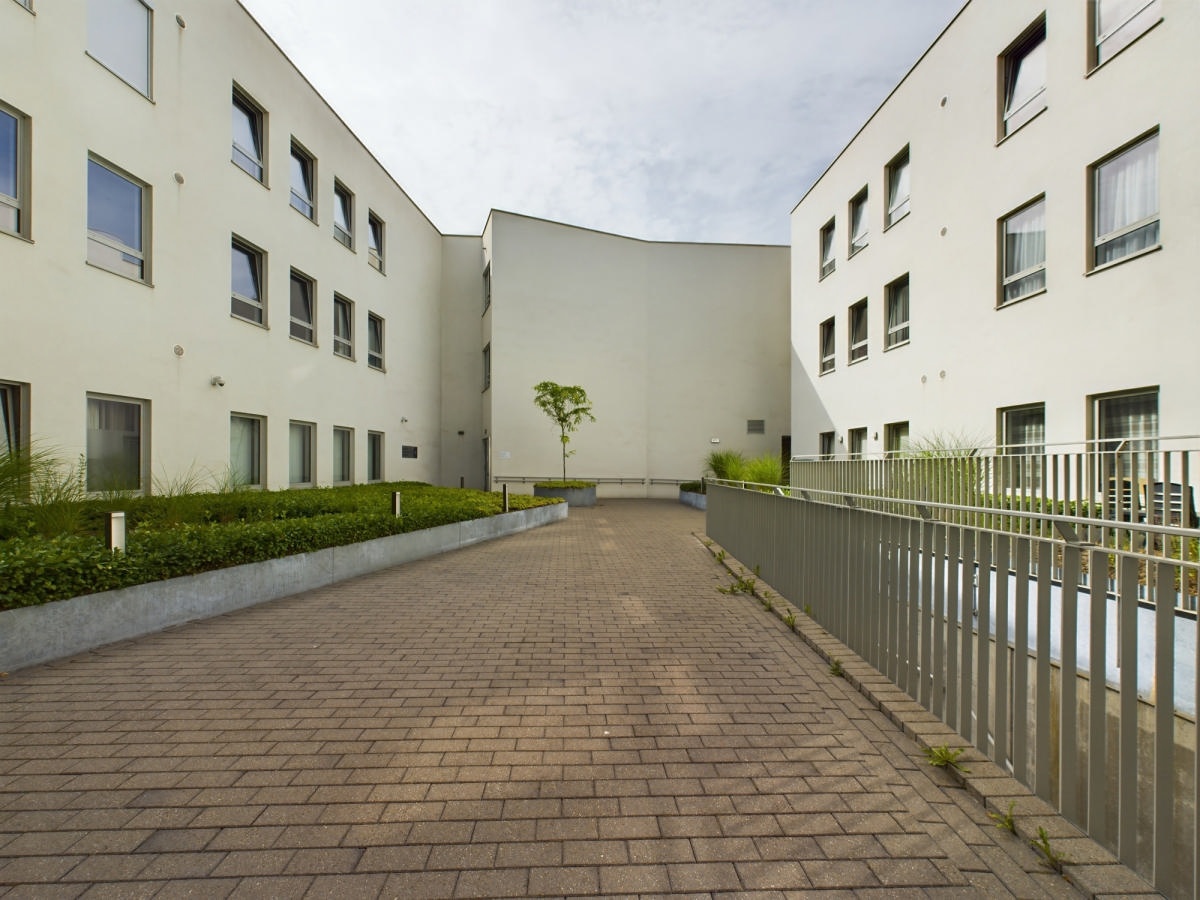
1000	255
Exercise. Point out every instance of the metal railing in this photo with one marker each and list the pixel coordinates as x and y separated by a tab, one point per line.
618	479
1065	659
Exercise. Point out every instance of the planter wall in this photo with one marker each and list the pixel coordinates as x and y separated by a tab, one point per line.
690	498
573	496
37	634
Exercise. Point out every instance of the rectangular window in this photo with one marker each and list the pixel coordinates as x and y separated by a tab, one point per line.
828	347
828	262
343	215
118	220
897	313
247	268
119	38
487	286
374	341
374	456
756	426
343	455
116	449
897	188
1024	69
302	308
895	438
487	367
1117	23
858	331
1023	433
858	222
303	176
825	443
245	450
343	327
300	453
857	442
1125	202
1023	245
1126	428
249	137
408	452
14	171
374	241
14	410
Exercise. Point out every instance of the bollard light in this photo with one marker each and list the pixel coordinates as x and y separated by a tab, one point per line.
396	504
114	532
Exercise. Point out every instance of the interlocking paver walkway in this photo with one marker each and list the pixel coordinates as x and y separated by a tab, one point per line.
571	711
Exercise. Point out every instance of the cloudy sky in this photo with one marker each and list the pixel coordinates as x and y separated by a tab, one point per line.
694	120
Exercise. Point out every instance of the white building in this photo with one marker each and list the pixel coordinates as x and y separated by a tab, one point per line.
1001	254
206	272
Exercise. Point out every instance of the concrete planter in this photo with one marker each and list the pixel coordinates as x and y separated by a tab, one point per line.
573	496
37	634
691	498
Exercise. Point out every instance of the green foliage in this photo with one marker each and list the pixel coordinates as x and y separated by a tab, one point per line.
944	757
568	406
835	668
765	469
1005	821
789	619
565	485
693	487
729	465
742	584
808	610
1051	857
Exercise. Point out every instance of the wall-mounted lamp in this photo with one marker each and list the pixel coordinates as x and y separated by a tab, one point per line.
875	436
217	381
714	440
841	439
403	419
179	20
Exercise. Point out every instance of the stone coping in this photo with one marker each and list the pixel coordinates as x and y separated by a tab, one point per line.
31	635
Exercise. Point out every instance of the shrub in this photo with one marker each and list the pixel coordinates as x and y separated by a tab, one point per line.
765	469
692	487
729	465
560	485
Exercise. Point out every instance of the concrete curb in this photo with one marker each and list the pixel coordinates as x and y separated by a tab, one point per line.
37	634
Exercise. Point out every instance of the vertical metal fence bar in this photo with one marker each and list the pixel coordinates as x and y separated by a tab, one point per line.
983	631
1041	732
937	551
1164	722
953	607
1127	637
928	555
887	596
966	671
1097	808
1000	716
912	610
1068	791
1020	701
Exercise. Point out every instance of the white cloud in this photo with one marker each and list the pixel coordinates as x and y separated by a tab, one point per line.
662	119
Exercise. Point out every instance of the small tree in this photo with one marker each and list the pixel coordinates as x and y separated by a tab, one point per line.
568	406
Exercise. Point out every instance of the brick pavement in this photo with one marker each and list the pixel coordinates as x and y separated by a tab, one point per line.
571	711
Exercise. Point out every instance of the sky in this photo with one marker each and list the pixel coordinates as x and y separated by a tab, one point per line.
671	120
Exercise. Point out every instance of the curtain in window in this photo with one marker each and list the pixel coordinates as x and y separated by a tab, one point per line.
898	191
858	324
1118	22
897	313
341	320
244	450
1127	193
301	301
858	223
119	36
826	248
341	454
1026	81
300	176
1025	251
1132	418
114	445
341	211
1025	431
300	454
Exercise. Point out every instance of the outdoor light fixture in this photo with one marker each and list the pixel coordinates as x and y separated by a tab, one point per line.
217	381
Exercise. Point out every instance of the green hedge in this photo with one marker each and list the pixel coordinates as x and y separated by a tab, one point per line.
173	536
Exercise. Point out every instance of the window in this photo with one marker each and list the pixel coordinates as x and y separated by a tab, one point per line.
828	347
343	455
247	300
1125	202
487	367
14	408
302	308
487	286
408	452
303	179
343	327
374	241
1024	68
14	172
119	38
245	450
1118	23
897	313
300	453
1023	433
756	426
857	438
249	137
374	456
343	215
118	221
858	222
825	443
828	262
1127	421
858	331
374	341
116	453
897	188
1023	246
895	438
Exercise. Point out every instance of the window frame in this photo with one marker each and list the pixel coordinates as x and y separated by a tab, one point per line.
487	367
258	450
376	357
901	334
896	439
859	239
258	259
1127	230
898	169
343	202
375	457
298	326
14	416
826	251
1006	279
256	116
858	313
343	341
1096	57
487	286
856	442
143	444
827	346
22	180
111	243
120	70
376	235
308	169
345	435
299	426
1032	40
826	444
